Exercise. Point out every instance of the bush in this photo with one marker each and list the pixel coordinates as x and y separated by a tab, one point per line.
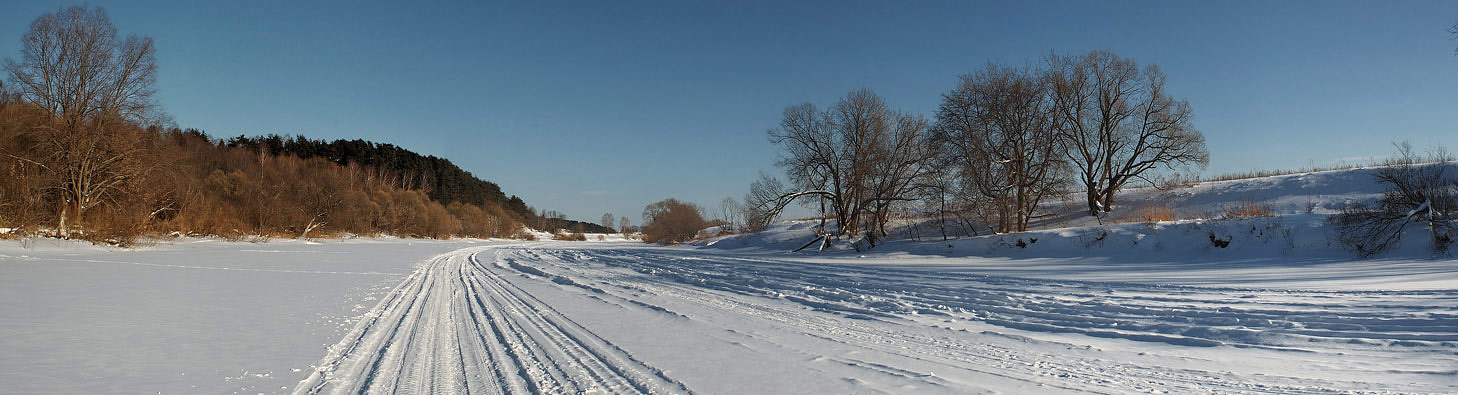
569	236
1420	189
671	221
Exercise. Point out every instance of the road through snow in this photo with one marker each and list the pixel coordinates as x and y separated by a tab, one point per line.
456	326
560	318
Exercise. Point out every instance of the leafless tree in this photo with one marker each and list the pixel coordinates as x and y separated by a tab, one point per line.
608	221
625	225
901	163
732	212
1118	124
1091	101
1421	189
857	157
763	198
72	64
317	197
995	128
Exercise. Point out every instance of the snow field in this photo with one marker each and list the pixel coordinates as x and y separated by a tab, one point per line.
189	317
919	331
1077	307
575	317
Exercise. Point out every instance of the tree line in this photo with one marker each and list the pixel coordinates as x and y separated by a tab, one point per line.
1003	140
440	179
84	154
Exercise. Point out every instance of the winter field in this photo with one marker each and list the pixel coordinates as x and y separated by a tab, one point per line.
1077	307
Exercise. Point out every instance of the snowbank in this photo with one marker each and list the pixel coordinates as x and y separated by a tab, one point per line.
1072	245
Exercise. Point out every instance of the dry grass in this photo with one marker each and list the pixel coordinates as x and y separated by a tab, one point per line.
1249	209
1155	213
1146	213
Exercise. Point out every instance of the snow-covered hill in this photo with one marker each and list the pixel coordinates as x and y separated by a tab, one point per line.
1294	237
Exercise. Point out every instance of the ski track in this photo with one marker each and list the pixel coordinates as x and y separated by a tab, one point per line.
456	326
460	325
866	306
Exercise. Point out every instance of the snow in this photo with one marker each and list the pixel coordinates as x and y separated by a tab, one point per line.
1076	307
193	316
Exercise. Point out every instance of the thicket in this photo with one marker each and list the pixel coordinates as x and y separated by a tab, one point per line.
83	155
440	179
181	182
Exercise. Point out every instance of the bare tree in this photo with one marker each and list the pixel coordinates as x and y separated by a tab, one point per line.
732	212
73	64
1118	124
902	163
1421	189
317	197
763	200
608	221
1163	136
857	157
96	87
625	225
1091	101
995	128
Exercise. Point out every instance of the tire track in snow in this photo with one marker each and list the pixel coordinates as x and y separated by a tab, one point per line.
455	326
1178	315
1378	325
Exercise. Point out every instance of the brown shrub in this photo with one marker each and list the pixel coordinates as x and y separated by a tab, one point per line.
569	236
115	227
195	186
1155	213
523	234
671	221
1249	209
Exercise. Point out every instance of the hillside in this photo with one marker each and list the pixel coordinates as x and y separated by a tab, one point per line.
442	180
1291	234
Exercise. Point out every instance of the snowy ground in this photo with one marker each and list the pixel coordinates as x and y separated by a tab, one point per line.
623	318
1098	308
191	317
554	317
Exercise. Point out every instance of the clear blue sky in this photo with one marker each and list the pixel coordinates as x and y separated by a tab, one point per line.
592	107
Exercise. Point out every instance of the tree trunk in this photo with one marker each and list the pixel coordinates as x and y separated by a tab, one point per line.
62	227
1109	199
313	224
1438	244
942	214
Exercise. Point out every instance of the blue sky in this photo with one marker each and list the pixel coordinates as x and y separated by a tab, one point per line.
592	107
